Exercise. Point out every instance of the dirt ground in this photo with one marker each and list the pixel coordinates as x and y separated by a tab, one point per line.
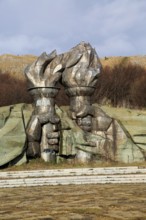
74	202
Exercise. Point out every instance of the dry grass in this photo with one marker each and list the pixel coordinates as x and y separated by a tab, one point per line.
13	90
75	202
39	164
112	61
119	85
124	84
15	64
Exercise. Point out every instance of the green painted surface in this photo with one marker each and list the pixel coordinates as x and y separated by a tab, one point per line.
133	120
12	134
118	146
124	139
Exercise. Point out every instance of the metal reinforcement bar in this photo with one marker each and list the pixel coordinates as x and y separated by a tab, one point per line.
73	176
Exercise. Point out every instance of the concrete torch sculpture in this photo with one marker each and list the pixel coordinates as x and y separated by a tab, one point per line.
79	69
79	80
79	133
43	127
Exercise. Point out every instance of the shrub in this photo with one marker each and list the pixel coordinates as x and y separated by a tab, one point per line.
62	98
138	92
124	85
13	90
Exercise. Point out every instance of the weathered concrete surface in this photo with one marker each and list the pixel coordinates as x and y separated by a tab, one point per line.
72	172
76	180
133	120
111	139
73	176
4	114
12	134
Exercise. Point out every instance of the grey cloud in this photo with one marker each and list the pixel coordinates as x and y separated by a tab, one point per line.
117	45
19	43
114	27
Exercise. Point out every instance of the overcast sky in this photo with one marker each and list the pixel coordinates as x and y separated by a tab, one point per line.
113	27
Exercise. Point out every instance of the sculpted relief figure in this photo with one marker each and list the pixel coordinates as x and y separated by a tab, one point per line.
43	127
78	70
79	79
80	132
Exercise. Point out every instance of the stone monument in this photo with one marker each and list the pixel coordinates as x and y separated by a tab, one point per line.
43	127
83	131
80	132
78	71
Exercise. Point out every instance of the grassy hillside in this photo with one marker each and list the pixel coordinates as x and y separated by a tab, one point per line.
16	64
135	60
122	82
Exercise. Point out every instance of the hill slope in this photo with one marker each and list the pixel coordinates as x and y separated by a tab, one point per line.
16	64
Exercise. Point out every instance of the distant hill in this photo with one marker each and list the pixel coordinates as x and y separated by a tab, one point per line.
16	64
110	61
122	86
